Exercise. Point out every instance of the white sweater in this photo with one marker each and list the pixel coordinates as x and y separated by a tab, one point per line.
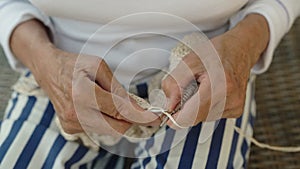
134	42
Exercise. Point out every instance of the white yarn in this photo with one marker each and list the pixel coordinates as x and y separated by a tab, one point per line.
160	111
267	146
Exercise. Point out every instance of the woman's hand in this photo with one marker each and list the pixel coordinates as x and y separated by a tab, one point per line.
82	88
84	93
238	49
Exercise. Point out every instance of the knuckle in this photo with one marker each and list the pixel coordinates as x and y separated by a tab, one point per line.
119	90
235	114
101	63
115	109
94	64
69	128
177	97
69	115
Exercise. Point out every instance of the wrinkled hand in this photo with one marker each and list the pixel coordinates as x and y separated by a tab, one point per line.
238	53
86	96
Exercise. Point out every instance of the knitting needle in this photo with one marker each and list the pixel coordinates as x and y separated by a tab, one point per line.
165	119
189	91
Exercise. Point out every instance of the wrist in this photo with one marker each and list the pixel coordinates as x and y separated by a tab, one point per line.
30	43
42	57
253	36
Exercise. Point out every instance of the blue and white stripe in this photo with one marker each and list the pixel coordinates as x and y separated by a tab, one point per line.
225	148
30	139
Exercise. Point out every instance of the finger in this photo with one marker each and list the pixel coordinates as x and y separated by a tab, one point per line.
196	109
116	98
172	91
98	71
88	95
70	127
120	108
233	113
92	121
188	69
103	124
119	126
104	77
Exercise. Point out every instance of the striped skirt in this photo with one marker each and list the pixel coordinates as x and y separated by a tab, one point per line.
29	138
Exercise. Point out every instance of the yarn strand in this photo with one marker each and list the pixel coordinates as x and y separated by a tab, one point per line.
267	146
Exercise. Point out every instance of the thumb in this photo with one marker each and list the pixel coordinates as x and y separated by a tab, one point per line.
173	84
172	91
105	79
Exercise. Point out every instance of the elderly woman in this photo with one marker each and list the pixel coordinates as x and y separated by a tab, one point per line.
71	47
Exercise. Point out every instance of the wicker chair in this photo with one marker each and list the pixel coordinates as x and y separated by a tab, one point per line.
278	104
7	78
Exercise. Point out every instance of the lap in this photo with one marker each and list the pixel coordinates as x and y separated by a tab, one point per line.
29	138
207	145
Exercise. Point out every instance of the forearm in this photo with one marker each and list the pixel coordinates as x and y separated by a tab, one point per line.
253	35
31	44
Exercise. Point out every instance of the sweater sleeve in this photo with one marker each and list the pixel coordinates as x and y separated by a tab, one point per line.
280	15
12	13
